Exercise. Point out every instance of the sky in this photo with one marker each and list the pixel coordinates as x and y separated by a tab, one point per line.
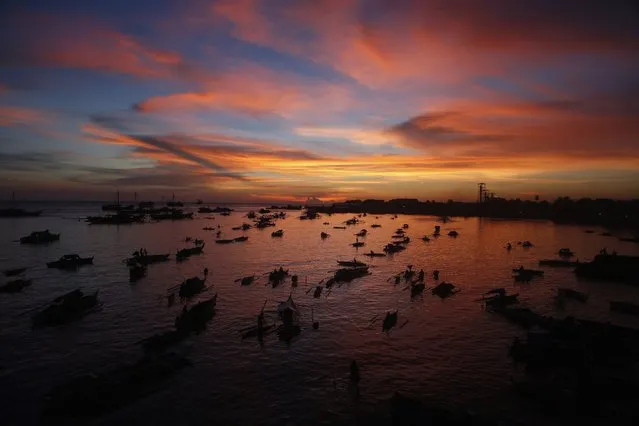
275	100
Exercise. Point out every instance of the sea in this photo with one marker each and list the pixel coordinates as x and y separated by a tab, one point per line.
445	351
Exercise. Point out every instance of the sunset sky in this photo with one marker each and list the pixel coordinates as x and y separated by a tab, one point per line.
272	100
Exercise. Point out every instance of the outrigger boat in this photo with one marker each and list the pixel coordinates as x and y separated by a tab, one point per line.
66	308
40	237
70	261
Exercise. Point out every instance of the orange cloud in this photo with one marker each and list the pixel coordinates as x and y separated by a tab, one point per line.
12	116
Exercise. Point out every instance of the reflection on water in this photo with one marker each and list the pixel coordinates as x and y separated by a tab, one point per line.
449	350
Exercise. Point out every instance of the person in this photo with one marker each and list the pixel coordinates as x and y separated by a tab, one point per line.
435	274
509	246
420	277
397	278
354	371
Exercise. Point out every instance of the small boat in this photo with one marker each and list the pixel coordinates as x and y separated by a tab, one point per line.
248	280
236	228
375	225
527	244
572	294
390	320
137	272
453	234
195	318
276	276
205	210
565	252
362	233
373	254
351	263
624	307
186	252
208	228
15	286
246	227
279	233
13	272
40	237
425	238
70	261
349	274
398	236
324	235
239	239
192	286
558	263
406	240
146	259
444	290
393	248
66	308
416	289
224	241
523	271
339	227
500	300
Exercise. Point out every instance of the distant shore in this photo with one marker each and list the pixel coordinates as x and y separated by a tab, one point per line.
596	212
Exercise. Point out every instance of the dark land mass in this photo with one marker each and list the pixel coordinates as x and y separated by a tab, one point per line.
585	211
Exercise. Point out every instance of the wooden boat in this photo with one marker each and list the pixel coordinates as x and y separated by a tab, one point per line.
362	233
453	234
558	263
527	244
375	225
66	308
13	272
417	288
276	276
15	286
195	318
406	240
93	395
565	252
240	239
349	274
40	237
186	252
137	272
398	236
373	254
610	267
501	300
390	320
279	233
393	248
248	280
70	261
192	286
324	235
161	341
339	227
224	241
205	209
444	290
147	259
236	228
624	307
522	271
351	263
425	238
572	294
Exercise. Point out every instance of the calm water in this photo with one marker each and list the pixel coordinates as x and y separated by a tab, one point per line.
450	350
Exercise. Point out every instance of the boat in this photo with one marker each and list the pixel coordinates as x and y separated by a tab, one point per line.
610	267
192	286
263	211
94	395
362	233
195	318
279	233
349	274
624	307
393	248
565	252
501	300
115	219
339	227
572	294
417	288
13	212
66	308
405	226
161	341
145	205
351	263
205	210
225	214
453	234
352	221
276	276
186	252
398	236
116	207
13	272
324	235
251	215
373	254
425	238
527	244
444	290
405	240
15	286
390	320
240	239
289	315
174	203
70	261
136	272
40	237
224	241
248	280
376	225
558	263
146	259
523	271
